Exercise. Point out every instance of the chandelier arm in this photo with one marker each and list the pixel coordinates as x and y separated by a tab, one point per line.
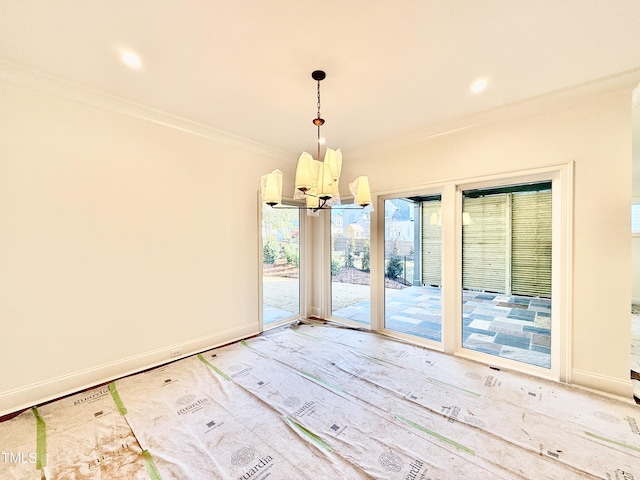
347	206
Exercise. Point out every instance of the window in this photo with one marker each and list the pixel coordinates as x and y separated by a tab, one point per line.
281	264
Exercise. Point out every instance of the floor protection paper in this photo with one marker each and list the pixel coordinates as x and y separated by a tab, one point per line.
199	423
315	401
77	437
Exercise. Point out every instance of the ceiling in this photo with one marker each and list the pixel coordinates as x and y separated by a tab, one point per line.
244	66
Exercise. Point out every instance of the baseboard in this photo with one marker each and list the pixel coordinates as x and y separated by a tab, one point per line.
42	392
603	384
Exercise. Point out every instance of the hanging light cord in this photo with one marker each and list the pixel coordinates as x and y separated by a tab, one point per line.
319	120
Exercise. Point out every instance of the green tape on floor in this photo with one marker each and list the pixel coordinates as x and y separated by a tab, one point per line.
322	381
214	368
308	434
430	379
450	385
150	465
615	442
116	399
459	446
41	440
375	359
243	342
315	339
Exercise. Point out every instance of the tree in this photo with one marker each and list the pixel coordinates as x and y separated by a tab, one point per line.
348	254
366	257
270	251
394	267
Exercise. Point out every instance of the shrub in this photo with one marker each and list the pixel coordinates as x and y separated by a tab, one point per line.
270	251
394	267
292	255
335	266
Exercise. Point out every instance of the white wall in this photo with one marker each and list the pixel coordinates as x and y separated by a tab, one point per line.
596	135
121	239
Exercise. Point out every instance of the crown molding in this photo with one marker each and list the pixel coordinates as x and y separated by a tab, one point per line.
22	76
625	81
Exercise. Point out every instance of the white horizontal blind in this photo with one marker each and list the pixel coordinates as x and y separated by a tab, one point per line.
432	243
484	243
531	243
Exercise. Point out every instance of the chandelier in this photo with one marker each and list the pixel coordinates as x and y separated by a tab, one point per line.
317	182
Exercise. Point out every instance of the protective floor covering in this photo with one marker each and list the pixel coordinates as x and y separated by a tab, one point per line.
323	402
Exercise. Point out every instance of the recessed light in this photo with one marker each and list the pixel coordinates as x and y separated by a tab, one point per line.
479	85
131	59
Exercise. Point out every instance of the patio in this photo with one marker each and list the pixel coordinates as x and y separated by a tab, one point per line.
509	326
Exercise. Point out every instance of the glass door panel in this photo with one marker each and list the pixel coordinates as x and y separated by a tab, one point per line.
350	264
506	272
413	266
281	264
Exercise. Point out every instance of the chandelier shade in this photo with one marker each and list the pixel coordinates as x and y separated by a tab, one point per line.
306	173
359	188
316	182
271	187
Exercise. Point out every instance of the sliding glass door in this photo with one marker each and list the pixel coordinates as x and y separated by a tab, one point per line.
506	271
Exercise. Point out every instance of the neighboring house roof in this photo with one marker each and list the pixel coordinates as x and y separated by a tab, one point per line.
354	230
